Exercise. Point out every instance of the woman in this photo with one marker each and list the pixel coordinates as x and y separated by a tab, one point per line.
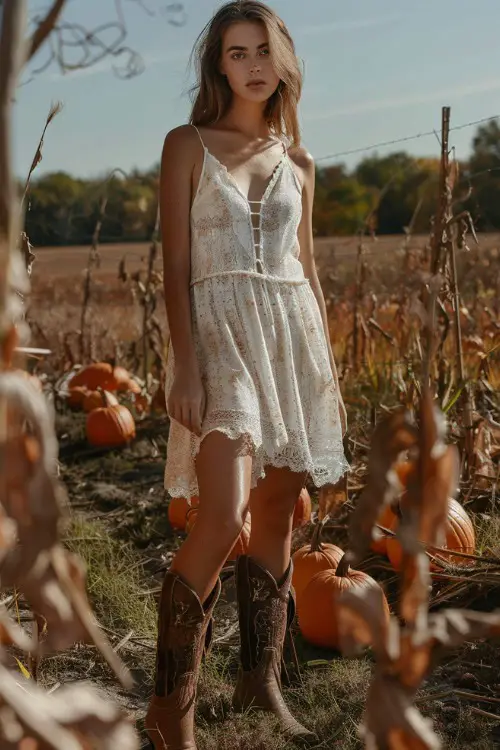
252	389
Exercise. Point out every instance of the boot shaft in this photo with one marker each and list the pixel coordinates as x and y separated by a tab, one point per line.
263	606
183	626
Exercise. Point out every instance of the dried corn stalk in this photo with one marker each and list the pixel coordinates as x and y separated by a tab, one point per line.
32	558
406	653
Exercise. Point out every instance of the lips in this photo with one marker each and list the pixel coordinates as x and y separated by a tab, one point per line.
258	82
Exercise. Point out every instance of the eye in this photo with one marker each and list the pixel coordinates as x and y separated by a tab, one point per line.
264	51
237	56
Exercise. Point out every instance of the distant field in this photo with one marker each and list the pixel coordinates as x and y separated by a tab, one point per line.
57	282
71	261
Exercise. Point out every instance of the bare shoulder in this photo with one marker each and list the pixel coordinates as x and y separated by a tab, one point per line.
182	142
302	158
303	165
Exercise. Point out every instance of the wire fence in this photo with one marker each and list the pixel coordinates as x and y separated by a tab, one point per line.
404	139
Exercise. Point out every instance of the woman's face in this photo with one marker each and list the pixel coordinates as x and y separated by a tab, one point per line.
246	61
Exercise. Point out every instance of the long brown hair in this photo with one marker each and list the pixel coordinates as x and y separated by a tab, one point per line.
212	94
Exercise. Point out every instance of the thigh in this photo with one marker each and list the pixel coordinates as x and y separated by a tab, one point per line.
223	469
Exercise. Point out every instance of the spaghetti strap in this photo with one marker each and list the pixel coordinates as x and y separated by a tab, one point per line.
199	135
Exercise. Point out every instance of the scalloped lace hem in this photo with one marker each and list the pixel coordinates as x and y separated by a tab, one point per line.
324	469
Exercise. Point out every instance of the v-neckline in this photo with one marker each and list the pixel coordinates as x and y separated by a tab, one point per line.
272	179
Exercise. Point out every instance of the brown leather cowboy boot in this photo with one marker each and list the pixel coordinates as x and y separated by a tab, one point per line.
184	631
263	614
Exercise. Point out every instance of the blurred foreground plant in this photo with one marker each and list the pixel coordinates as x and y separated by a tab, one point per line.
406	648
32	558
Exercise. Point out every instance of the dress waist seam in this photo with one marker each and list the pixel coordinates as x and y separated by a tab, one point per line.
251	274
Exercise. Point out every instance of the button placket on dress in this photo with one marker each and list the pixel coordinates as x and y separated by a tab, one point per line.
260	266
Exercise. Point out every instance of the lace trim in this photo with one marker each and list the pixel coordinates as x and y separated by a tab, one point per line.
324	464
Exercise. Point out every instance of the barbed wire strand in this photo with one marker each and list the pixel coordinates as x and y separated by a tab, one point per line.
404	139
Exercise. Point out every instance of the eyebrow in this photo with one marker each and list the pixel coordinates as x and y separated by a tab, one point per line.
244	49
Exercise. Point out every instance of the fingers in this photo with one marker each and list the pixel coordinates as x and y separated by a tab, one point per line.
188	414
195	418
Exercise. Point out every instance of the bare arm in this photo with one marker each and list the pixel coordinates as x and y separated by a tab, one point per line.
175	200
305	163
186	400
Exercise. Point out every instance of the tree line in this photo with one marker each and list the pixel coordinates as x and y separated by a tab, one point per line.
64	210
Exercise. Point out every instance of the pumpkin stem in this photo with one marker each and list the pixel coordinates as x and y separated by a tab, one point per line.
316	545
100	390
343	566
104	396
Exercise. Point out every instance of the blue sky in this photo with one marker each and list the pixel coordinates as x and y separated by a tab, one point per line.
375	70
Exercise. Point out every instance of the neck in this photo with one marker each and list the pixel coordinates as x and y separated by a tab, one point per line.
248	118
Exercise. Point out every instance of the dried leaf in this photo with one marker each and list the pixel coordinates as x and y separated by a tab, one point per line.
29	493
391	721
362	621
452	627
12	634
391	437
437	472
56	590
415	586
73	718
425	510
483	455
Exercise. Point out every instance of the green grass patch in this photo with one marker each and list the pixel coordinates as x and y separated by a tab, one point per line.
119	598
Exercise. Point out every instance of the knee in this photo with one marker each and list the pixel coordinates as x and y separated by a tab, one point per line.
230	526
223	528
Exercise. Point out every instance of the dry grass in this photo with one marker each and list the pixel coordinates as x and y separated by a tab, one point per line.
330	698
329	701
487	528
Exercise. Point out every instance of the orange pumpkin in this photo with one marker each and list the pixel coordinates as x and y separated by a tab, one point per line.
104	375
460	536
388	518
97	374
76	396
240	546
132	387
313	558
96	399
303	509
123	379
110	426
178	508
317	608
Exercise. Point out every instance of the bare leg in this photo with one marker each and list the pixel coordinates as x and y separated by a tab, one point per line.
191	588
272	503
224	489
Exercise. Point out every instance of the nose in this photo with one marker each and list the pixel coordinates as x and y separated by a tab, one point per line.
255	67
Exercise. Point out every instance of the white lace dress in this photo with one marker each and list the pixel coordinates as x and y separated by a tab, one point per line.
258	334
